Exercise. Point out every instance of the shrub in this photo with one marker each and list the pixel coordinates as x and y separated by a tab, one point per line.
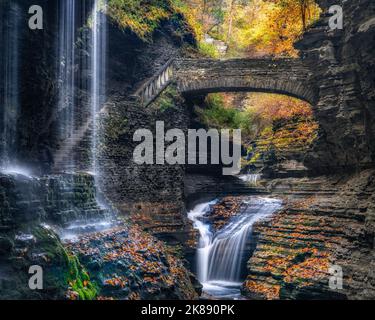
208	49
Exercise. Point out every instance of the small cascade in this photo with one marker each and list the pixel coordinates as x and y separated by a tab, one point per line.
73	205
205	238
250	178
220	255
9	84
66	74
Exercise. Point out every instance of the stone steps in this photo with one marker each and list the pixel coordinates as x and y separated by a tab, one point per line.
69	143
58	200
64	157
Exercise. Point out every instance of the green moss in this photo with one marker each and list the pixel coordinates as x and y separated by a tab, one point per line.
65	268
167	99
118	126
79	280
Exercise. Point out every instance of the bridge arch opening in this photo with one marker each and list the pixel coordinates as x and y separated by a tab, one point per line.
300	94
277	130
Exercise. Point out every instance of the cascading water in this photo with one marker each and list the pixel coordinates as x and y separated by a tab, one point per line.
9	88
251	178
98	72
66	77
220	256
100	217
98	80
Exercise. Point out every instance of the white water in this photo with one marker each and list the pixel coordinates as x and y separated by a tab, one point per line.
17	170
76	229
252	179
66	67
67	104
98	58
220	255
98	71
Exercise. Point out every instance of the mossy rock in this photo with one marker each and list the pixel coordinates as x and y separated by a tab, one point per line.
64	271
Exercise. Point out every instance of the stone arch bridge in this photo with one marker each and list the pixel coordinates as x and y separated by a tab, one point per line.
196	77
201	76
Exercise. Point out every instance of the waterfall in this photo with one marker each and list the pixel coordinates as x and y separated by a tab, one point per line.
220	255
9	86
205	238
66	75
73	123
98	72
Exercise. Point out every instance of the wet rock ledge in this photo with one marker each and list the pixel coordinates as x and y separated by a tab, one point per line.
122	262
128	263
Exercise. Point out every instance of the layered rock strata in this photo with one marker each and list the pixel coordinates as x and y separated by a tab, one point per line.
325	227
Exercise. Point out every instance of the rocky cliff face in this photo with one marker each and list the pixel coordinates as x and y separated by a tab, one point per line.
27	205
152	194
343	64
58	199
325	223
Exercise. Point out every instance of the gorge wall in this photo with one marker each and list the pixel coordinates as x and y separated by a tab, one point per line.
152	194
155	195
343	65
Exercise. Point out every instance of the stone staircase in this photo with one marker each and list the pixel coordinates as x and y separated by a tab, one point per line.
71	198
64	159
67	202
152	88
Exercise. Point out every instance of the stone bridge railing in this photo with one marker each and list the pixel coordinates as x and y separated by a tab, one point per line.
283	76
201	76
154	86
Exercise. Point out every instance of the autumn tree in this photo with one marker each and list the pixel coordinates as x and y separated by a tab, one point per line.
256	27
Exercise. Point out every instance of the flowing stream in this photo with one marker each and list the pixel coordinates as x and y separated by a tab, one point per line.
221	255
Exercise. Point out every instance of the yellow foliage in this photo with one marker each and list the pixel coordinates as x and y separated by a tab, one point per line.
144	16
257	27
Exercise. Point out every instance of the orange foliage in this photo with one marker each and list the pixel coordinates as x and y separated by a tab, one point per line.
273	107
311	268
269	292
